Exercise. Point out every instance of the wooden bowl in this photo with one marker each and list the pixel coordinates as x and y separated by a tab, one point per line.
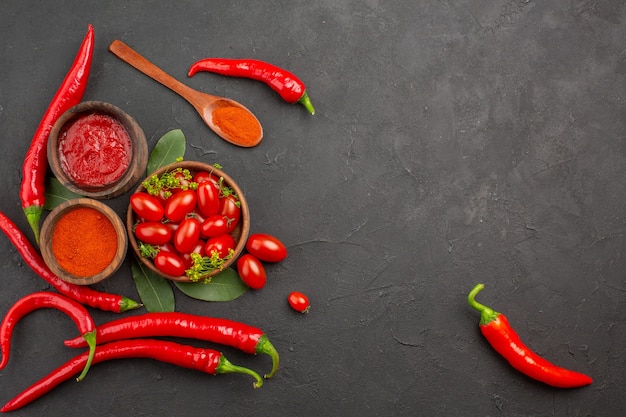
82	253
240	233
101	180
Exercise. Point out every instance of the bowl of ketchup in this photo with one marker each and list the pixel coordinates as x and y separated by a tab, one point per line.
97	150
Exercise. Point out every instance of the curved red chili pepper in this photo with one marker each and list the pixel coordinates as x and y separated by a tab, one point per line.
241	336
82	294
204	360
498	332
38	300
70	93
285	83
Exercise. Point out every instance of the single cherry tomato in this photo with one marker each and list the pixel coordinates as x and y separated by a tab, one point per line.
198	248
202	176
231	208
187	235
183	181
251	271
266	247
208	198
220	244
299	302
215	225
169	263
147	207
153	233
180	204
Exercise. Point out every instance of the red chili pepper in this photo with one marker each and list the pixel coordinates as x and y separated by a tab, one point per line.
70	93
285	83
204	360
498	332
241	336
38	300
82	294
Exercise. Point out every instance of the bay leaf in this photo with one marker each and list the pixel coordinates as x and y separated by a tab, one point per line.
156	293
169	148
225	286
56	194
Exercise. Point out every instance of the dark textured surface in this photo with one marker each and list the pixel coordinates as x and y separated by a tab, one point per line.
454	142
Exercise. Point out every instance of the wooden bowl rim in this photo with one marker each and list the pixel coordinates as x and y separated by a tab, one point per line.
46	240
193	166
139	149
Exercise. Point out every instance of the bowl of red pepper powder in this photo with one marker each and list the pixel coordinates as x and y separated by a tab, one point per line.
97	150
83	241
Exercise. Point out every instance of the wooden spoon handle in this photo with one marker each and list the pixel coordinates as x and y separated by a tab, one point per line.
133	58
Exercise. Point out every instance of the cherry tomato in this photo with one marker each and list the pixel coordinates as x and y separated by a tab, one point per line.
251	271
208	198
184	182
153	233
215	225
229	207
187	235
147	206
202	176
220	244
299	302
169	263
266	247
198	248
180	204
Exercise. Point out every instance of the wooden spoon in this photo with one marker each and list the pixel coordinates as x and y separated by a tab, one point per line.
205	104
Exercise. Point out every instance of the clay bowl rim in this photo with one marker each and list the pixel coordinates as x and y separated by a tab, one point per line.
242	230
46	240
139	149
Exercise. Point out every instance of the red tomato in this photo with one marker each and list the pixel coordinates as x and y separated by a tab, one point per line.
147	206
187	235
214	226
184	182
251	271
266	247
208	198
198	248
299	302
220	244
229	207
179	205
202	176
153	233
169	263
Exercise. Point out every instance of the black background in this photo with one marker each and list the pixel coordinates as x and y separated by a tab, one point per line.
455	142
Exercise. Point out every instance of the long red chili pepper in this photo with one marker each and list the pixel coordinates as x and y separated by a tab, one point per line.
205	360
82	294
38	300
241	336
498	332
70	93
285	83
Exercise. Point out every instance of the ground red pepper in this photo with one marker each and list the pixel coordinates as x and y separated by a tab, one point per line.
84	242
94	150
34	169
498	332
81	293
237	123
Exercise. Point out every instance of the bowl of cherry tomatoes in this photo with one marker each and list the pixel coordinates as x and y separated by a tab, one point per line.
188	221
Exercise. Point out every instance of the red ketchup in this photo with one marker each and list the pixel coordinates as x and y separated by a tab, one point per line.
95	150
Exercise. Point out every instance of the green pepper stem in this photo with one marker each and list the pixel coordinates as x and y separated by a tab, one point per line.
128	304
33	215
306	102
226	367
90	338
265	346
487	315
